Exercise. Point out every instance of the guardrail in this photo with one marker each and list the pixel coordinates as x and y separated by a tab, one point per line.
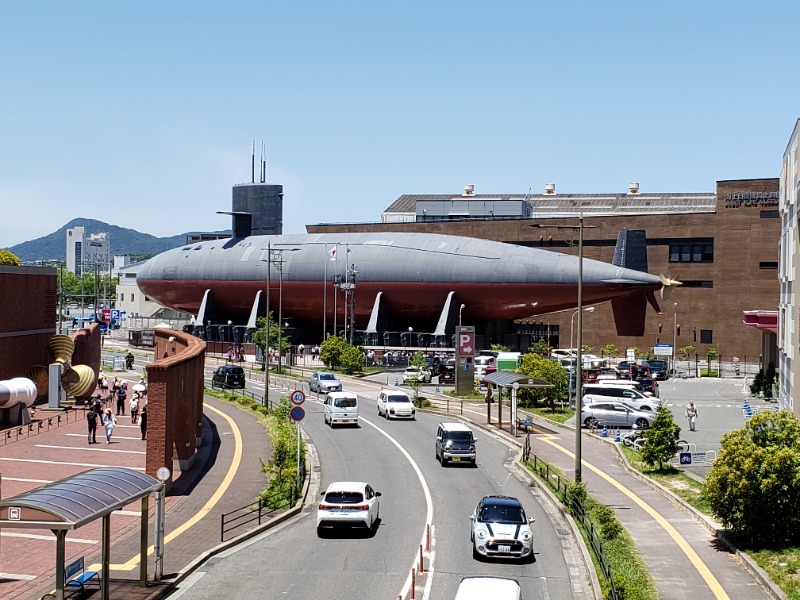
40	425
263	507
245	393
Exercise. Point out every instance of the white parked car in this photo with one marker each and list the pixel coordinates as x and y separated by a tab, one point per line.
394	404
416	374
482	587
501	529
348	504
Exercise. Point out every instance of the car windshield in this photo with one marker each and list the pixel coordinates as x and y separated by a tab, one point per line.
512	515
459	436
327	376
345	402
344	497
398	398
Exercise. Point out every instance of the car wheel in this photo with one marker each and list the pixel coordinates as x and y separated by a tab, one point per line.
648	408
642	423
590	422
320	532
475	554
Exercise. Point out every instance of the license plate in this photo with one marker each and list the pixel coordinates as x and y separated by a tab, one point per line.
456	458
504	548
345	421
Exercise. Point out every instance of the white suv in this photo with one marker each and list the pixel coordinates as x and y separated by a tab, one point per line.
611	393
394	404
348	504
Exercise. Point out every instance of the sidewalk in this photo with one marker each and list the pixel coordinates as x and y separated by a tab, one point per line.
682	553
193	507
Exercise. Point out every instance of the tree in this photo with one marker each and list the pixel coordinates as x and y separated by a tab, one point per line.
609	350
352	359
260	336
498	348
687	351
711	355
332	350
540	347
662	437
754	484
418	360
9	258
550	371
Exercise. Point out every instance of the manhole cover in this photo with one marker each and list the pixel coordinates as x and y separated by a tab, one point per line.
561	531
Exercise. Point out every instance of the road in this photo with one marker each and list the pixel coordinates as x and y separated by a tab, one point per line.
291	561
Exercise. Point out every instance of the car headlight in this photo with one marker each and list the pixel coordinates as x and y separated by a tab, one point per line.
526	536
482	535
472	448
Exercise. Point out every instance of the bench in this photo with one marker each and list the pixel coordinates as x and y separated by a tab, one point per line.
76	576
525	423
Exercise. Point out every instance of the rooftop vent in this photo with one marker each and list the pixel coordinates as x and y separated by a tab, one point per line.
469	190
633	188
549	189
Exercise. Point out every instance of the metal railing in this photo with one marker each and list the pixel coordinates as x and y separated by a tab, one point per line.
560	485
39	425
245	393
264	507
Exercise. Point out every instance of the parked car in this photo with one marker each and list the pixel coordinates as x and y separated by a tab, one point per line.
324	382
447	372
228	376
416	374
394	404
340	408
455	443
597	392
615	414
658	368
624	369
348	504
649	385
501	529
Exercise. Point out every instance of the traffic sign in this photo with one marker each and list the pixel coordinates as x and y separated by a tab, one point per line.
466	341
297	413
298	397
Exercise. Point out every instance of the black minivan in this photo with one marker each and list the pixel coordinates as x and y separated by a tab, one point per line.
228	376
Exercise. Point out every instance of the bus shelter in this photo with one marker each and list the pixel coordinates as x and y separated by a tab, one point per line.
79	499
513	381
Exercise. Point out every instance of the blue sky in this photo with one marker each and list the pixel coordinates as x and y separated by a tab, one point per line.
143	114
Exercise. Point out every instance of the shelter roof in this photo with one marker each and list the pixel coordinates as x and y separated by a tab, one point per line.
507	379
76	500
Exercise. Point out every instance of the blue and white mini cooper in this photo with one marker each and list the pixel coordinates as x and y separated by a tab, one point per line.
501	529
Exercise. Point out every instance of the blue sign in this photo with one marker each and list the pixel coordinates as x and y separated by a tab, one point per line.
686	458
466	367
297	413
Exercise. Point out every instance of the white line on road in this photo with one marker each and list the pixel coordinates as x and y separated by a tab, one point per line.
58	462
91	449
47	538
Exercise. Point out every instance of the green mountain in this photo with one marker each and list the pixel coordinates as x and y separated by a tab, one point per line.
53	247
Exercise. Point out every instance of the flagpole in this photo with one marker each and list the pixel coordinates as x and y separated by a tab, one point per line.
325	298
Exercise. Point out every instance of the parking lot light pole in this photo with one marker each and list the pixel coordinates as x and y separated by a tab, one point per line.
578	366
674	337
588	309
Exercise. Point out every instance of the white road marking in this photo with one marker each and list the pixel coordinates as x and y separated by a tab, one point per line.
428	515
47	538
91	449
17	576
58	462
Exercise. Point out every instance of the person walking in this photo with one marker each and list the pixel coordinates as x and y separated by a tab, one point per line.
134	407
691	414
143	421
91	420
122	394
109	422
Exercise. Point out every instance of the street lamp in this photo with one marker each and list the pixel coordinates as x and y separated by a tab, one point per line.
588	309
674	336
459	315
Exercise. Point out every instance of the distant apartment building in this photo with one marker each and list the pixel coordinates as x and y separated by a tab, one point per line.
85	254
788	317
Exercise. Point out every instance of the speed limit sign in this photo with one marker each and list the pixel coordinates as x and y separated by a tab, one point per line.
298	397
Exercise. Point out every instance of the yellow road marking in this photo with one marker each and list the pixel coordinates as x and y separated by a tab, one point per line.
237	458
696	561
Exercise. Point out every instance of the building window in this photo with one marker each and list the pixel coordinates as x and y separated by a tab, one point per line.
706	336
768	265
133	297
770	214
122	297
691	250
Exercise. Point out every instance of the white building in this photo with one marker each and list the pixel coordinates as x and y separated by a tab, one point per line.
85	254
788	318
142	312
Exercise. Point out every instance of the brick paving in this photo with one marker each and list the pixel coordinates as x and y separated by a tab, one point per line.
27	564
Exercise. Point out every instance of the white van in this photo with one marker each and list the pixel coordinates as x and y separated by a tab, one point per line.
596	392
485	588
341	408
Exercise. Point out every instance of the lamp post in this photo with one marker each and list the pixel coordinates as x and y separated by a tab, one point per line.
459	315
578	366
674	336
588	309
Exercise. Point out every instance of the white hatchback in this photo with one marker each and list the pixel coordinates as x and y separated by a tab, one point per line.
394	404
348	504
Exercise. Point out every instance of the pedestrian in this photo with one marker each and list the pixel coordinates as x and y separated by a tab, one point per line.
143	421
108	422
122	394
91	420
134	407
691	414
103	385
